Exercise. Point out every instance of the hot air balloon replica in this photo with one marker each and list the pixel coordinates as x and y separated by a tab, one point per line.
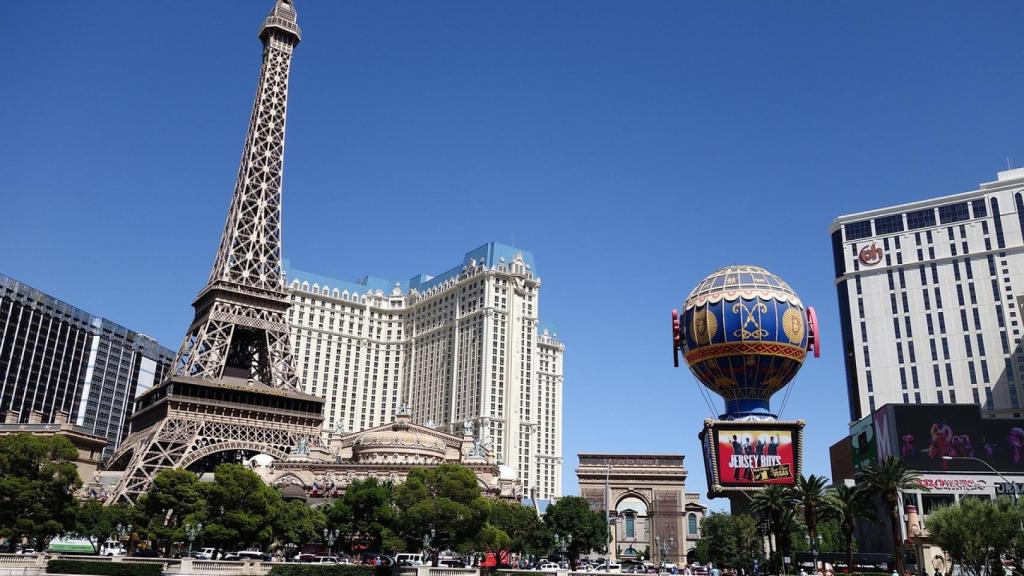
744	333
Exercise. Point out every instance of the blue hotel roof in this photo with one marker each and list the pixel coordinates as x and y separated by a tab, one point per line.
489	254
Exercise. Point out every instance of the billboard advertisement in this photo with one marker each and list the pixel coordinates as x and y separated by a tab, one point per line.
923	434
862	439
749	455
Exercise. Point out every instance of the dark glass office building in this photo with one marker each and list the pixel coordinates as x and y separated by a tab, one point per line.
57	361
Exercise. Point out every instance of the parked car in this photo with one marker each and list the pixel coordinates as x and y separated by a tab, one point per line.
451	563
146	553
325	560
549	567
247	556
409	559
376	559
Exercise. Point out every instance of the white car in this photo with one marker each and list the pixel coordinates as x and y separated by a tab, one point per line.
549	567
409	559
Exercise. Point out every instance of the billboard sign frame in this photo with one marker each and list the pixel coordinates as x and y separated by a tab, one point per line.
760	476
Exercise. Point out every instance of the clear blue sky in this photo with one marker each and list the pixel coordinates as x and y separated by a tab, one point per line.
634	147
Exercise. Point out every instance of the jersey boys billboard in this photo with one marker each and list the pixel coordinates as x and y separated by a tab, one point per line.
748	455
755	455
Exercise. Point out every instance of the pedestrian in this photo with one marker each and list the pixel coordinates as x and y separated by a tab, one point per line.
715	571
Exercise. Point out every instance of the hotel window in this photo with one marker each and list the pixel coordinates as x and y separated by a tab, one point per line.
979	208
933	502
889	224
921	219
998	222
858	230
954	213
692	523
630	525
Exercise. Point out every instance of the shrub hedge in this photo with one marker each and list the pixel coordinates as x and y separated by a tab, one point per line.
61	566
328	570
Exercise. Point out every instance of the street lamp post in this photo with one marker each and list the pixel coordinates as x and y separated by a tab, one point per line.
663	547
192	529
428	539
330	537
562	543
815	544
989	466
124	531
608	516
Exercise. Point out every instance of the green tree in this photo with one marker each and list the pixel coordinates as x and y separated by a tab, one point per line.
38	479
493	539
174	496
808	495
444	502
96	522
390	541
976	533
296	524
364	513
526	531
830	537
240	508
849	504
886	479
572	516
790	525
770	506
730	541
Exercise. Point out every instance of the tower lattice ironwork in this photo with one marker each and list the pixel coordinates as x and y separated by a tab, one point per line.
233	385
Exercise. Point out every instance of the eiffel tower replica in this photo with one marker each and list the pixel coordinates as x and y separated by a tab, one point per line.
233	389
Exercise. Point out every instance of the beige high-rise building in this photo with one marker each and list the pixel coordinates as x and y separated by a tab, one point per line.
463	349
930	299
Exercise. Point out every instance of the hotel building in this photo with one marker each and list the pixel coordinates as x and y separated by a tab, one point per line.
463	350
930	295
62	365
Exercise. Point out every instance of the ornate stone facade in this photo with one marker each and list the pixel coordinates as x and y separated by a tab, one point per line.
465	346
386	452
647	498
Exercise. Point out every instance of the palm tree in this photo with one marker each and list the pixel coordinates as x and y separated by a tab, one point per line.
848	504
808	494
887	478
790	524
770	505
